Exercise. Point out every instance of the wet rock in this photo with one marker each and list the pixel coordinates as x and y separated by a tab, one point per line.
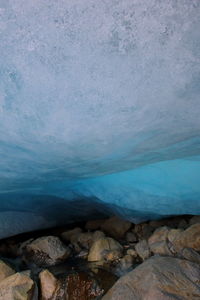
5	270
46	251
116	227
131	237
101	247
194	220
142	249
190	238
69	234
16	287
48	285
94	224
159	278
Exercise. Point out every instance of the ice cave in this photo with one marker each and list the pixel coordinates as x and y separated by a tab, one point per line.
99	111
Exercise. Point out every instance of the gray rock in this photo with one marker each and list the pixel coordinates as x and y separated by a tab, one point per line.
142	249
165	278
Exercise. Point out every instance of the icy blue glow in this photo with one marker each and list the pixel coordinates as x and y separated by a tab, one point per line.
99	110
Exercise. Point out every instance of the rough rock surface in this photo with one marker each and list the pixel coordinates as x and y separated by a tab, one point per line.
47	250
142	249
5	270
116	227
159	278
102	247
16	287
189	238
48	284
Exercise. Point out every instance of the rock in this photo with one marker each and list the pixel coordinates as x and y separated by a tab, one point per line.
143	230
190	255
98	235
94	224
116	227
160	234
46	251
142	249
132	252
173	234
48	284
126	262
101	247
161	248
68	235
85	239
165	278
131	237
182	224
194	220
112	255
189	238
5	270
79	286
16	287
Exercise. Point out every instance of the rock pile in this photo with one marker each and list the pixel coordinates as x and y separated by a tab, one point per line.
155	260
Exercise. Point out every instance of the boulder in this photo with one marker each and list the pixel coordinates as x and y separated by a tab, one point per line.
189	238
102	247
16	287
69	234
116	227
48	284
165	278
160	234
94	224
190	255
131	237
46	251
194	220
5	270
142	249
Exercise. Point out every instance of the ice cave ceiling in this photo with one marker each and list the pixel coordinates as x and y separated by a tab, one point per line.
99	110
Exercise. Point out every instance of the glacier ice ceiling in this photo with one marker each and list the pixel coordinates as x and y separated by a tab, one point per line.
99	110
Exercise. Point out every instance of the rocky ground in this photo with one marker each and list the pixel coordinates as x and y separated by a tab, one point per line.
110	259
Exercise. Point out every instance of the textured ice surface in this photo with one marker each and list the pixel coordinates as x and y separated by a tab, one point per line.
99	110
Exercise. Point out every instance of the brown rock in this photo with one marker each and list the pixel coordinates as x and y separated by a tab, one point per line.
98	235
194	220
142	249
160	234
101	247
94	224
132	252
112	255
116	227
173	234
5	270
131	237
68	235
48	284
159	278
16	287
190	255
161	248
46	251
143	230
126	262
190	238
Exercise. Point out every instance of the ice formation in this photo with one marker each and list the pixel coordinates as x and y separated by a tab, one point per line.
99	110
